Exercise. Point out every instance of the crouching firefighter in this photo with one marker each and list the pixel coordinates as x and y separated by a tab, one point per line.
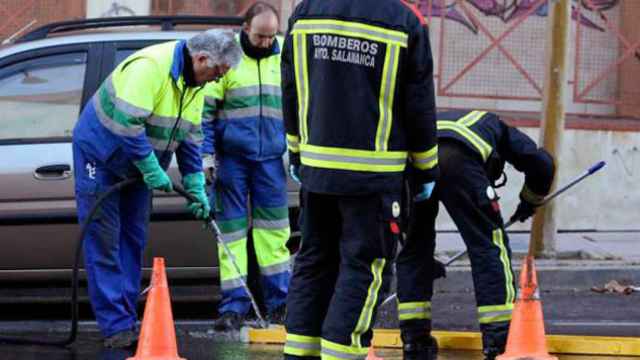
473	148
149	107
358	101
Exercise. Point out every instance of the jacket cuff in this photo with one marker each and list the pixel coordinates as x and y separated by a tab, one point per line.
531	197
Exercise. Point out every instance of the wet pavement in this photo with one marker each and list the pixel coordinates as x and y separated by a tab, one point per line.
196	345
203	346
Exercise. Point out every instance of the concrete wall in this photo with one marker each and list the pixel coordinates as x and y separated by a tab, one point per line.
608	200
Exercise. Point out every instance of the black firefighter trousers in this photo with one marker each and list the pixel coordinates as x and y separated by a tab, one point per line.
466	193
340	274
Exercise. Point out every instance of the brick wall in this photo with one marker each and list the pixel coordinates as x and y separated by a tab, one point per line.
16	14
204	7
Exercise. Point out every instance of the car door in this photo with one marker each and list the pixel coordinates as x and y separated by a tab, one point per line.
173	234
41	94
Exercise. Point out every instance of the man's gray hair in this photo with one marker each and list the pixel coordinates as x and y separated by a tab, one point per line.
220	46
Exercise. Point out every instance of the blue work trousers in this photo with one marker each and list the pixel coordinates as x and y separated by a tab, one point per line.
114	241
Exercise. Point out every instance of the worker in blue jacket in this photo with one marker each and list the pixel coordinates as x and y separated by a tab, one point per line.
147	109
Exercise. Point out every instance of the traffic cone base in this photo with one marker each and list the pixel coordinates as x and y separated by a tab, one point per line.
158	334
527	339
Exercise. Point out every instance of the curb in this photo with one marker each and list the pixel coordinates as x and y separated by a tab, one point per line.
453	340
550	278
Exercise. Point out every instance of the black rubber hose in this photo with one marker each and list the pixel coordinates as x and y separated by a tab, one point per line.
73	332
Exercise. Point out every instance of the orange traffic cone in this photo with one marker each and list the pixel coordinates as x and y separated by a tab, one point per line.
158	335
372	354
526	333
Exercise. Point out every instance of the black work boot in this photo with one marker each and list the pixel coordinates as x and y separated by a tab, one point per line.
494	339
276	316
228	321
424	347
123	339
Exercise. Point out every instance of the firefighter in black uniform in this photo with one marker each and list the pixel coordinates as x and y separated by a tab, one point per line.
358	102
473	148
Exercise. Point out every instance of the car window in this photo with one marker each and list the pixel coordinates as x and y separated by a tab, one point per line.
122	54
40	97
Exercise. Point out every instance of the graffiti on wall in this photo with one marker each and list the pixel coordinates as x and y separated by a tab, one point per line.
118	9
511	10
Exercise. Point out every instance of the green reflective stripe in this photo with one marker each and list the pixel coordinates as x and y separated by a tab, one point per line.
232	283
293	143
477	142
302	82
387	88
414	310
300	345
425	160
352	159
227	226
196	137
231	237
275	269
211	101
352	29
275	213
122	129
471	118
364	321
498	240
331	350
236	102
254	91
270	224
253	111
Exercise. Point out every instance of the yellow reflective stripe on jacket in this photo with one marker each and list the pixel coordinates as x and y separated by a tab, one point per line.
301	345
387	92
481	145
495	313
498	240
335	351
471	118
302	82
351	29
425	160
293	143
414	310
352	159
364	320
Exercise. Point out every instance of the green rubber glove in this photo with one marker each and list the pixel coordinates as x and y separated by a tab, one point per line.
194	185
153	175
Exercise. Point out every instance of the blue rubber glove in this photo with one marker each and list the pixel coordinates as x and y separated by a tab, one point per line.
294	172
153	175
194	185
425	191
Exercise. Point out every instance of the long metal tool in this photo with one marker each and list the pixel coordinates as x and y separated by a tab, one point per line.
594	168
213	226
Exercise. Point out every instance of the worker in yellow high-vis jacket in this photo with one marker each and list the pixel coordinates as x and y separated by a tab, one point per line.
149	108
243	148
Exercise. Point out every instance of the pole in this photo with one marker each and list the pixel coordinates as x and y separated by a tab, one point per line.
544	228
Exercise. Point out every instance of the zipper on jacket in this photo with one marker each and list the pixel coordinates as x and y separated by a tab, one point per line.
260	117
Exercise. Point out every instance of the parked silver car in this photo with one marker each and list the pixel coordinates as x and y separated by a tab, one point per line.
45	79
